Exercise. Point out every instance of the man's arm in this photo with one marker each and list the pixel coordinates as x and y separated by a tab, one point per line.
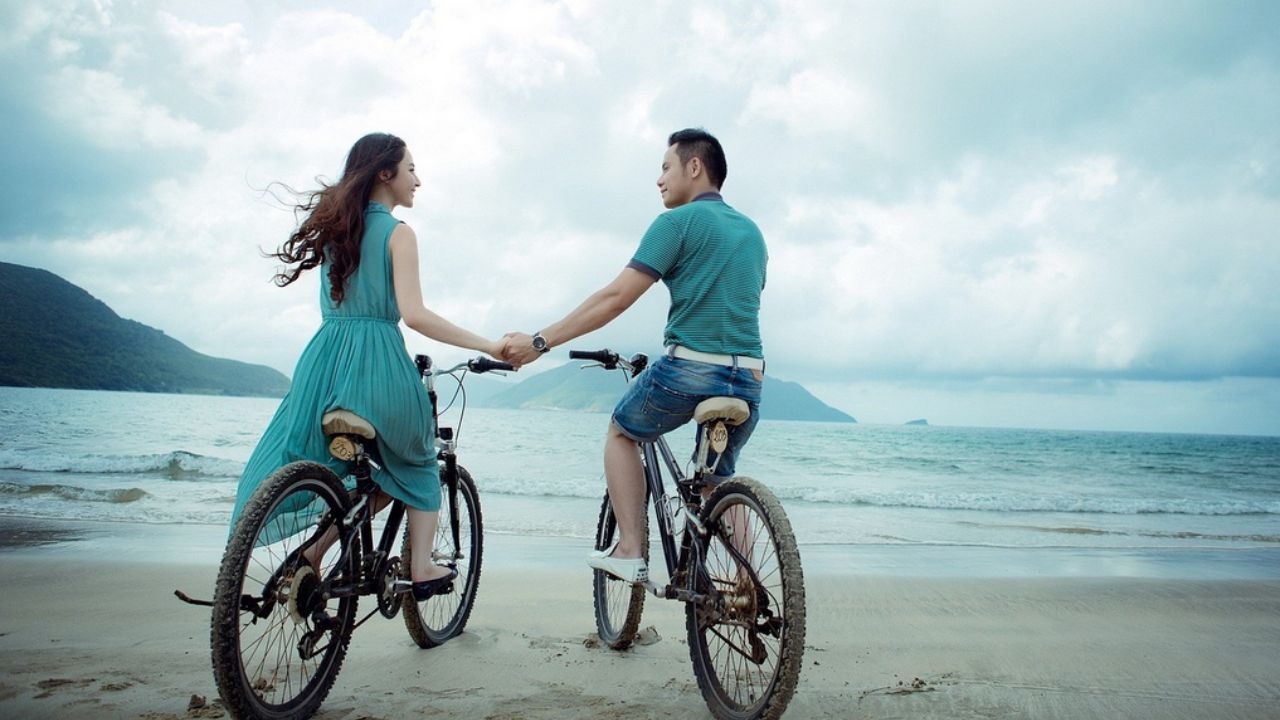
598	310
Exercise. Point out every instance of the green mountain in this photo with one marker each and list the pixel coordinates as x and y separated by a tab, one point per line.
54	334
570	387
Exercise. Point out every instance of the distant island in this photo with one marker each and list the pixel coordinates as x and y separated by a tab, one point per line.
57	335
920	421
569	387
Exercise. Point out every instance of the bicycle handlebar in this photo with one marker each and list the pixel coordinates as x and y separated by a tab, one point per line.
477	365
611	360
606	356
484	364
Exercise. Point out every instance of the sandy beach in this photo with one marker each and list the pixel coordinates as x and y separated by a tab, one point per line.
91	628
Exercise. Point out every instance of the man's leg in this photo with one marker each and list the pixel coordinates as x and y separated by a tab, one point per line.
625	476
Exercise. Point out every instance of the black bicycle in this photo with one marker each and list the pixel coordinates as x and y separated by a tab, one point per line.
281	625
731	558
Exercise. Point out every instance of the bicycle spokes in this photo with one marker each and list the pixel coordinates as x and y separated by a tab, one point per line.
459	544
746	634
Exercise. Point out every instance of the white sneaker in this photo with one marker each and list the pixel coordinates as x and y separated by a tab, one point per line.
605	552
632	570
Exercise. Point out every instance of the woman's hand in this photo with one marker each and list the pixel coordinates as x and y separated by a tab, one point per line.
498	349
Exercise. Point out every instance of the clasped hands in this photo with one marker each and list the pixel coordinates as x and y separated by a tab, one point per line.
516	348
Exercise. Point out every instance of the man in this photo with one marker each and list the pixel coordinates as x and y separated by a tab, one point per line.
712	259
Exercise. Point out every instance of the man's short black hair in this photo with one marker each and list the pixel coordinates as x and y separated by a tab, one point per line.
696	142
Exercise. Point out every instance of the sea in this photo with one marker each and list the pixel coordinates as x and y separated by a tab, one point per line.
861	498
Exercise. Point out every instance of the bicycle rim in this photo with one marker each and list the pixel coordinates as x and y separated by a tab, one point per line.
277	645
747	641
435	620
618	604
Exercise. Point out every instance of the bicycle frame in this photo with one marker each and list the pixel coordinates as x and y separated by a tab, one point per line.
656	454
744	619
448	444
360	520
360	517
694	534
686	493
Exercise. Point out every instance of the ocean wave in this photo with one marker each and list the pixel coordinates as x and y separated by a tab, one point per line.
1156	534
176	465
563	486
980	502
1031	503
71	492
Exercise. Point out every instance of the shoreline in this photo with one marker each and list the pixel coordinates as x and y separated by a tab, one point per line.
202	544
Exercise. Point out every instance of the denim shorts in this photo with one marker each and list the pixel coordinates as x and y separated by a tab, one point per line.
663	397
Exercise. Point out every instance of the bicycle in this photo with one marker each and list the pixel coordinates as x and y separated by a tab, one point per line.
731	558
281	627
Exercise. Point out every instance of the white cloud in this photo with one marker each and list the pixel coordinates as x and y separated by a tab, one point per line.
957	282
114	116
947	192
815	102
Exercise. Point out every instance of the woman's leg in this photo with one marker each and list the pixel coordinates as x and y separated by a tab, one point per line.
422	537
422	540
326	541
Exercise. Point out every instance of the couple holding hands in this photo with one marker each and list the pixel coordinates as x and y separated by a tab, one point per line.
711	257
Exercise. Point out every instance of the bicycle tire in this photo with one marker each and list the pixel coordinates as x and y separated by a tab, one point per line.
747	650
259	663
618	604
441	617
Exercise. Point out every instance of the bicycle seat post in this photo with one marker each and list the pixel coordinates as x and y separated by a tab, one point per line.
714	417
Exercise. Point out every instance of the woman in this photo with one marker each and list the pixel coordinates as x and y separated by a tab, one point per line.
357	359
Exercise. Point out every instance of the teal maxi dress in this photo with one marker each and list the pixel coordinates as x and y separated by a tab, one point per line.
356	361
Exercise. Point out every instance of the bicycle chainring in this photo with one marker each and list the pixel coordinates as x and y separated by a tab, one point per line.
388	596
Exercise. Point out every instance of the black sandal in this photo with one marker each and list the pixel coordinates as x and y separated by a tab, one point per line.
427	589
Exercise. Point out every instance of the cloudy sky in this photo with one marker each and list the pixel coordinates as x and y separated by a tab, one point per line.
1036	214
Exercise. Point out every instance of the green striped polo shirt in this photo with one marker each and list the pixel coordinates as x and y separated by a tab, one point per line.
712	259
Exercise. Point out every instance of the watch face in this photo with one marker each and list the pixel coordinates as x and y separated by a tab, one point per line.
539	342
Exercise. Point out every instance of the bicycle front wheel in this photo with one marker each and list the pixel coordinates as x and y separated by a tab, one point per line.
277	642
435	620
618	604
746	634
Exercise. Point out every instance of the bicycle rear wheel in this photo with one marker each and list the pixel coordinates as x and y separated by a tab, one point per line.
618	604
746	639
277	644
441	617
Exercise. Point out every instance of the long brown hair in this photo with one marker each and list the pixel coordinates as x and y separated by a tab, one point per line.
334	223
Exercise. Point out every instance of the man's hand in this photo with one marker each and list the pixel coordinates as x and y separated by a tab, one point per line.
518	349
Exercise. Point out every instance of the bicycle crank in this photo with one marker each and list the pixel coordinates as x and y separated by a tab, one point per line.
390	589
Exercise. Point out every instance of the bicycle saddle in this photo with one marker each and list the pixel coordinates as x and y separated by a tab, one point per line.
730	409
345	422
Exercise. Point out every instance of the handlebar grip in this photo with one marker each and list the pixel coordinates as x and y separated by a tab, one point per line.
606	356
423	363
484	364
